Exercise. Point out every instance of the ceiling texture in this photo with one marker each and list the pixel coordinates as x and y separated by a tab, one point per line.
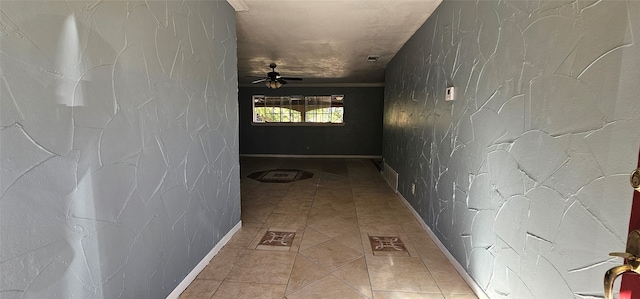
326	42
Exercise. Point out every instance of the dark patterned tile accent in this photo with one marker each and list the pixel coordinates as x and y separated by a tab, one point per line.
387	246
277	240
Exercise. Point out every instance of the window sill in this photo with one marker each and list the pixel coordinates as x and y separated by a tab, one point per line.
297	124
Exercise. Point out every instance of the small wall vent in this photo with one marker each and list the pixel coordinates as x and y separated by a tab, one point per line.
372	58
391	176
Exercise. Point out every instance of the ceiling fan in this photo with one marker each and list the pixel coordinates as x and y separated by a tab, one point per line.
273	79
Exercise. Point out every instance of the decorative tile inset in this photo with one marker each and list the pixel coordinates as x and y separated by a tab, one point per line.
387	245
277	240
280	175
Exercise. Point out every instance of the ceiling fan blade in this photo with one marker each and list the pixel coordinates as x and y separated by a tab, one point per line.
282	81
291	78
259	80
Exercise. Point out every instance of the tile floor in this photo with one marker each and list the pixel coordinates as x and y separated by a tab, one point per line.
341	234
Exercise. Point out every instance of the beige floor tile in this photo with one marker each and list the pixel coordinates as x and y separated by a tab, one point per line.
244	290
305	190
327	287
413	227
349	216
287	220
351	239
262	266
367	207
406	274
331	255
454	288
449	280
346	206
428	254
200	288
269	191
381	224
221	264
356	275
437	262
365	200
324	198
425	247
334	208
312	237
306	187
244	236
372	191
423	239
304	272
248	218
334	227
442	270
293	206
460	296
316	216
260	210
343	195
406	295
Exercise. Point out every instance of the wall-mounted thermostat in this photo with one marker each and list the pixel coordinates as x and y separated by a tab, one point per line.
450	94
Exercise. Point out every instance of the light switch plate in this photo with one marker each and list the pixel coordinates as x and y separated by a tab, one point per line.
450	94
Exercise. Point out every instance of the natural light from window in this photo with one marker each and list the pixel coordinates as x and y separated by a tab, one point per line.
298	109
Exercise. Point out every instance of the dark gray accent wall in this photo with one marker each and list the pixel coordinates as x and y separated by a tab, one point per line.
524	177
360	135
119	163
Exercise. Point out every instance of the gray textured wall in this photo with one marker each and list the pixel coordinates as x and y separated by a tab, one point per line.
360	135
524	177
119	144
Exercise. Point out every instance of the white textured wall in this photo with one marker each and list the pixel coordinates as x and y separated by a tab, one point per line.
525	176
118	144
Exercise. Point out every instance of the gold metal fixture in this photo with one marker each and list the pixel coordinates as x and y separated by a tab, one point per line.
635	179
633	263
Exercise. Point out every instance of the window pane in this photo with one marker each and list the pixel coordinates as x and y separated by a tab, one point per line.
337	115
318	109
313	109
258	109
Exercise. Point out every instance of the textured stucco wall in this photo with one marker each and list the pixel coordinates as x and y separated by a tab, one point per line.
524	177
361	133
119	144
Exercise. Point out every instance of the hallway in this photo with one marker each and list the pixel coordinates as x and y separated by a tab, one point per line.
341	234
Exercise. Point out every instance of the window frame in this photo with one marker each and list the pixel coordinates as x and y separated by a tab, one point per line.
292	98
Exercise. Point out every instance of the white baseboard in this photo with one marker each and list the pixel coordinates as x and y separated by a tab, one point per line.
203	263
312	156
467	278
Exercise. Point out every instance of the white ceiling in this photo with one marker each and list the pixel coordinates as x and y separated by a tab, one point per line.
324	41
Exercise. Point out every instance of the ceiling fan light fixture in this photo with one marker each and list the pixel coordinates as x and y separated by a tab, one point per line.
273	79
273	84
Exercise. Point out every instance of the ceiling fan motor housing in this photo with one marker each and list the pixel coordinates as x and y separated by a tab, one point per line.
273	79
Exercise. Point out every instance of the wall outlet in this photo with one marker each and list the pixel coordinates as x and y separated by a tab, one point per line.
450	94
413	188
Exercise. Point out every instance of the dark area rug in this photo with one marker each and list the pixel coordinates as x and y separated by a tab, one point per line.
280	175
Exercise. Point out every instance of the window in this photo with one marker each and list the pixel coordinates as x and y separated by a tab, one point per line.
298	109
